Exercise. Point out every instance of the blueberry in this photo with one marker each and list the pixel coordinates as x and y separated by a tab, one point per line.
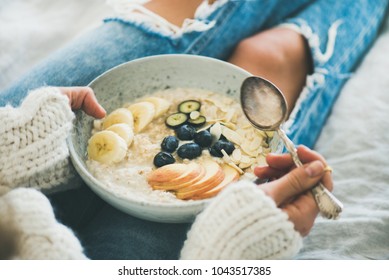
203	138
189	151
185	132
216	149
163	158
169	144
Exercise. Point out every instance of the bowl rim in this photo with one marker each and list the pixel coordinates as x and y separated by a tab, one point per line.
85	174
172	56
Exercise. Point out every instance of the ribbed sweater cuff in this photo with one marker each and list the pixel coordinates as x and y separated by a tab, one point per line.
242	222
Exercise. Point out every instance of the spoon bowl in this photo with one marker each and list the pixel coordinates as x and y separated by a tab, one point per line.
263	103
266	109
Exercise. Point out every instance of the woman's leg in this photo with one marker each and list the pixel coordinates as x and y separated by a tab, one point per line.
337	33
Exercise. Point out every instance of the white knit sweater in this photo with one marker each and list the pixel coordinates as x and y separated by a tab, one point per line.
240	223
33	150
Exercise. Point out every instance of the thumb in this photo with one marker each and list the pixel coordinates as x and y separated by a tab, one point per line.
295	182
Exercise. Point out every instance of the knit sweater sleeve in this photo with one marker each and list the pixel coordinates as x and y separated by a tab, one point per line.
242	222
29	230
33	150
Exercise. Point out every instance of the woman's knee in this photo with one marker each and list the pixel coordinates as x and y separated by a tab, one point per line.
258	50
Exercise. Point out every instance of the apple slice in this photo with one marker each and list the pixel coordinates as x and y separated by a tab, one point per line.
167	173
214	176
231	175
193	174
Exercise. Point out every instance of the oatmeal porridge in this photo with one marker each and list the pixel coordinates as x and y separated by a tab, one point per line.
175	145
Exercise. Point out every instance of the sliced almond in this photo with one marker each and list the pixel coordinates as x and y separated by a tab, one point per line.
210	112
261	160
97	124
241	132
216	104
216	132
194	115
205	127
233	165
245	148
232	136
246	123
243	165
236	155
255	144
245	159
212	121
266	151
227	159
230	125
261	133
229	115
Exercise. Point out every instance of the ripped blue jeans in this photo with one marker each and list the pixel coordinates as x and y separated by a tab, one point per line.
338	33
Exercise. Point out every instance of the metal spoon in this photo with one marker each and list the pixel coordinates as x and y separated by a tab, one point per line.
265	107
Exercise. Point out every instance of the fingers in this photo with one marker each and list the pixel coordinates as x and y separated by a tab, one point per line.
279	161
295	182
266	172
302	213
280	164
283	161
307	155
85	99
90	104
290	190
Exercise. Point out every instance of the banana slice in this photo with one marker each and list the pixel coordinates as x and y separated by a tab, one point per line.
106	147
121	115
160	104
124	131
143	113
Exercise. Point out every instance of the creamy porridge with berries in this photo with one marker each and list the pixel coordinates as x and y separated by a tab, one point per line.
175	145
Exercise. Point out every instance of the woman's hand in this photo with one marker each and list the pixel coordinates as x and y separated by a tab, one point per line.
84	98
289	186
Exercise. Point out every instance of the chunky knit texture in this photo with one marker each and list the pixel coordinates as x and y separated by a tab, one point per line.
33	150
242	223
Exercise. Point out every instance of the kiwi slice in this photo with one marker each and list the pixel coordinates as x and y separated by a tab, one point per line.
197	122
175	120
188	106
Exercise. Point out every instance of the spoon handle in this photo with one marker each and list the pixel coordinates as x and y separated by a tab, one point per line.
330	207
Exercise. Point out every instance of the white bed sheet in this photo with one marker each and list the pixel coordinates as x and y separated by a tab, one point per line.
354	140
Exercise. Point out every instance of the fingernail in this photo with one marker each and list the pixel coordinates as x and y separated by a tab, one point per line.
314	168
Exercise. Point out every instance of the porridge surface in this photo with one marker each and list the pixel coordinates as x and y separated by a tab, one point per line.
128	178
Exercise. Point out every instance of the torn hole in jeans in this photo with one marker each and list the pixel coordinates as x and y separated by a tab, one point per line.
133	11
318	78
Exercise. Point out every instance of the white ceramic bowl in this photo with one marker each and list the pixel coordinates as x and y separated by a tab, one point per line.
131	80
